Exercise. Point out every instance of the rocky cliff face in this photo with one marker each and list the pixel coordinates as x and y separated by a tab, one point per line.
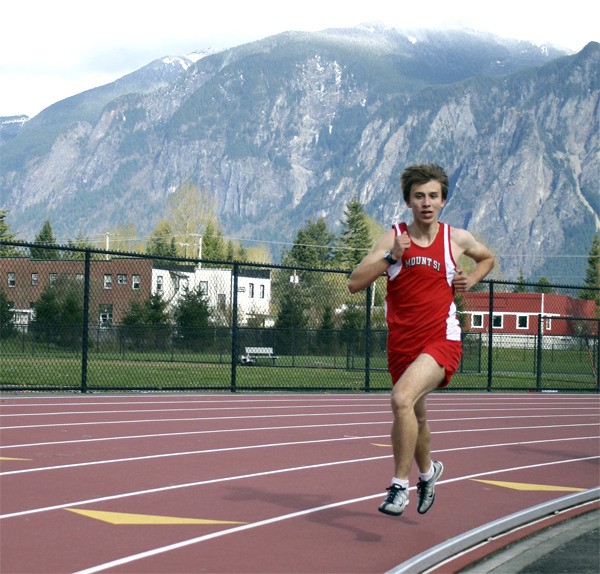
296	125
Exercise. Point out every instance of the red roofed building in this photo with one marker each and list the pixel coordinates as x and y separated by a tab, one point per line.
517	314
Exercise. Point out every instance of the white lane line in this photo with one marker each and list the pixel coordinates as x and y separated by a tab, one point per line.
196	419
279	407
95	423
290	427
273	445
210	398
281	518
247	447
183	409
264	473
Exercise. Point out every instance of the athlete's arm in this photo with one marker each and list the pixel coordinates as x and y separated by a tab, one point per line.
463	243
373	265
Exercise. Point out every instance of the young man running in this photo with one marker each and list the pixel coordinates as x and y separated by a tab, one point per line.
424	337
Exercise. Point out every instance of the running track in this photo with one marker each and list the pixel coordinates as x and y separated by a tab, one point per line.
272	483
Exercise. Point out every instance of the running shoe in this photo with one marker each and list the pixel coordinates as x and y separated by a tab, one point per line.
426	488
395	502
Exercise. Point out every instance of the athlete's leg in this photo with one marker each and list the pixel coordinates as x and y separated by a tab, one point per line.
410	431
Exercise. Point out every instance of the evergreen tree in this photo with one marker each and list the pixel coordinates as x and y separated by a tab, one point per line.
45	237
213	246
192	317
161	241
291	311
313	246
520	287
80	242
592	275
355	240
544	286
229	252
7	325
325	333
147	321
59	312
6	235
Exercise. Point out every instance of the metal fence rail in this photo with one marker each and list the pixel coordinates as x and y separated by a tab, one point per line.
89	320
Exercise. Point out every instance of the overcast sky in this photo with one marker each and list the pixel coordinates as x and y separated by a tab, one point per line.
53	49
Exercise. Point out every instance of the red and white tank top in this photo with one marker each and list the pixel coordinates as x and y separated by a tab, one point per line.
419	306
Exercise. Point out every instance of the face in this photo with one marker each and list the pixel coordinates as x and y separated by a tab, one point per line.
426	201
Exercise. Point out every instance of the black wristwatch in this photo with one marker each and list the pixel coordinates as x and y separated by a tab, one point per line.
389	258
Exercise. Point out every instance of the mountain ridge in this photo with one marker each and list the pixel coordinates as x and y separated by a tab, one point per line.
291	127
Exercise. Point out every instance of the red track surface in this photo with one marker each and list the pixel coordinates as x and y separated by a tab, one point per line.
298	478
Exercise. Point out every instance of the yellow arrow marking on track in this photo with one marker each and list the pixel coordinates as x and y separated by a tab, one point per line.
9	458
125	518
525	486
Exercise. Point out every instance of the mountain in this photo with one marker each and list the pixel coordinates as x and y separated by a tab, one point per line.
293	126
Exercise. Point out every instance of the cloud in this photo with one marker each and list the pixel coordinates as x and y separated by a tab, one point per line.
51	50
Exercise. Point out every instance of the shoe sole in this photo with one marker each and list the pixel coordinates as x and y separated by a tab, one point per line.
392	512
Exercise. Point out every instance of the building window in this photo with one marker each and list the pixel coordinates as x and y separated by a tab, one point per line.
251	290
159	283
498	321
135	282
108	281
522	321
204	288
34	279
11	279
477	321
262	291
122	279
106	315
221	300
53	277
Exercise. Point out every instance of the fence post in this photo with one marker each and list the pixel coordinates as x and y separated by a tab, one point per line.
234	329
598	356
490	337
86	318
538	374
368	340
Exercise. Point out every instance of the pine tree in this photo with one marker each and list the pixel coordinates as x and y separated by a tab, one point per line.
45	237
7	325
312	247
161	241
544	286
355	239
192	317
213	246
592	275
6	235
520	287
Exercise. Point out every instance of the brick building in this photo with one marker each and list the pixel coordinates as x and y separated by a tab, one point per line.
114	284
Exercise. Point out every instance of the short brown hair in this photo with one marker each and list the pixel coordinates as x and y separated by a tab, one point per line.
422	173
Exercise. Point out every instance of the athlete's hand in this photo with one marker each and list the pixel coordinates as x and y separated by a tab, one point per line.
461	280
401	244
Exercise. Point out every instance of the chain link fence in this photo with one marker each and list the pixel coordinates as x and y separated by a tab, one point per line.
88	320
